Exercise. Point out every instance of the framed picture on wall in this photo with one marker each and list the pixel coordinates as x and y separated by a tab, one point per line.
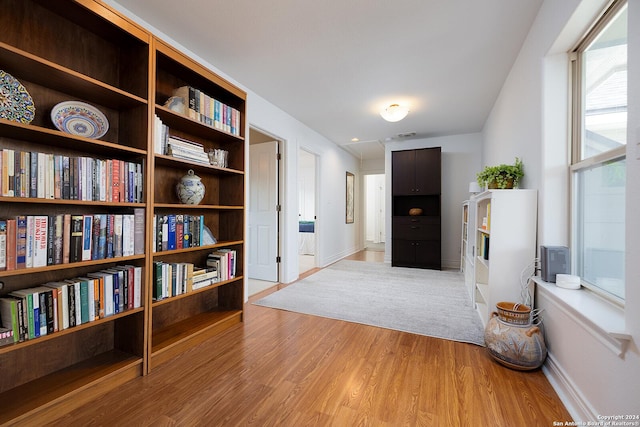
350	198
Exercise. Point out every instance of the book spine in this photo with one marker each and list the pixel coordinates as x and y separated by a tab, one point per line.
87	234
117	238
3	244
21	242
51	233
138	231
11	244
66	238
40	246
30	241
75	243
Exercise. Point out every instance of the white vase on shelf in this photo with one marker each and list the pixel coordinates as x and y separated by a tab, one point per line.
190	189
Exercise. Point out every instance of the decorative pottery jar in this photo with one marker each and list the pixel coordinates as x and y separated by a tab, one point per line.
515	346
190	189
415	211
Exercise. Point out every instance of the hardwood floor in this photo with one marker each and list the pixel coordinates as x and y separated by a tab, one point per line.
287	369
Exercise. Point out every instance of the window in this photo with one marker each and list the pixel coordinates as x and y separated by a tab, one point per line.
598	169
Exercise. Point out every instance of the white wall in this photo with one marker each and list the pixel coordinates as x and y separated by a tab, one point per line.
460	163
529	120
336	239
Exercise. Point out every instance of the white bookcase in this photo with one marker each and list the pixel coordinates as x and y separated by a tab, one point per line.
505	245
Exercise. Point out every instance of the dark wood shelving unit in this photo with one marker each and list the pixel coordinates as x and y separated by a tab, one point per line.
416	183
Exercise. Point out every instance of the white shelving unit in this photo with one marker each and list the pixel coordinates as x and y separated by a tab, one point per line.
505	245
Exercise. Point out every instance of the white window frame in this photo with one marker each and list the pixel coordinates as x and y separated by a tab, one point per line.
577	125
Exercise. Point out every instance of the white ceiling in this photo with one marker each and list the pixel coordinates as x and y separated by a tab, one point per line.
333	64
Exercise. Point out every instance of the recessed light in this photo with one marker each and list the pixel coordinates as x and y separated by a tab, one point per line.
355	139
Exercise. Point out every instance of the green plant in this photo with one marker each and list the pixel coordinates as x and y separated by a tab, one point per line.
501	176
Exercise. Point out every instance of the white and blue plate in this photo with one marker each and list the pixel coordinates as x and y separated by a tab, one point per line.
79	118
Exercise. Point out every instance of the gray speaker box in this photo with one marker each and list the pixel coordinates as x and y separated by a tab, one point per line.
554	260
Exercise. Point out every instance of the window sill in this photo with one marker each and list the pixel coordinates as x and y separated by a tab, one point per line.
600	318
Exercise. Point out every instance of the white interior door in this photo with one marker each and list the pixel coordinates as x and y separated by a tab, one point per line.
263	216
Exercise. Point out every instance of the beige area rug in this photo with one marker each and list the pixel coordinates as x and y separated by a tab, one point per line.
425	302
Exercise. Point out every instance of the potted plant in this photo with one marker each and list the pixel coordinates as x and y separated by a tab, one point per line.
501	176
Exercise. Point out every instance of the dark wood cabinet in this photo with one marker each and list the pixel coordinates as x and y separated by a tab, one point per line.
416	182
416	172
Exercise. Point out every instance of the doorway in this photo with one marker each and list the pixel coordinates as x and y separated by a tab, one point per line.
307	218
264	214
374	212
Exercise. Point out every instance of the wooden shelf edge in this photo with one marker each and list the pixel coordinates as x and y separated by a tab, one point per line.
202	166
96	262
174	117
201	207
199	248
83	381
59	138
175	338
197	291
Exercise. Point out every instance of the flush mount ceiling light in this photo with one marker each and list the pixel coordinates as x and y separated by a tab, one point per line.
394	113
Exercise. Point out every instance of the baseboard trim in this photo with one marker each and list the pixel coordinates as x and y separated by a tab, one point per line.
569	394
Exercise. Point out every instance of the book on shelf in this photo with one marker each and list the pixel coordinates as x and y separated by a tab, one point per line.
208	110
29	241
9	315
53	176
3	244
172	279
6	336
178	231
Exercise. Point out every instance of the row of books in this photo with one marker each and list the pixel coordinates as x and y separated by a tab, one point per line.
52	176
178	231
28	241
42	310
177	147
177	278
208	110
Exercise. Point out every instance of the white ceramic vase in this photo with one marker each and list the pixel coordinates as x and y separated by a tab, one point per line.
190	189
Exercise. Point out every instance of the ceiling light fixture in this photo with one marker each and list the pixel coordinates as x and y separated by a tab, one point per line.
394	113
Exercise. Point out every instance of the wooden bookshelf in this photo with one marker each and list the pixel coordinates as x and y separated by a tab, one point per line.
181	321
83	50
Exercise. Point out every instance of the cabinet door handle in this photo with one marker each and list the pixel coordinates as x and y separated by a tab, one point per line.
414	227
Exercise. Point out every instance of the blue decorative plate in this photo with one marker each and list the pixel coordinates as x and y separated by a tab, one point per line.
15	102
79	118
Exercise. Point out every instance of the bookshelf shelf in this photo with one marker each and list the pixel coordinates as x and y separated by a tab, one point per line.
80	381
49	139
75	329
200	129
197	291
169	341
43	72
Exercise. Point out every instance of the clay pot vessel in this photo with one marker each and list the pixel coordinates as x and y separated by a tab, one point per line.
415	211
515	346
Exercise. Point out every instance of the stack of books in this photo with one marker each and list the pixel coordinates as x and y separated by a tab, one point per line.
186	150
177	278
